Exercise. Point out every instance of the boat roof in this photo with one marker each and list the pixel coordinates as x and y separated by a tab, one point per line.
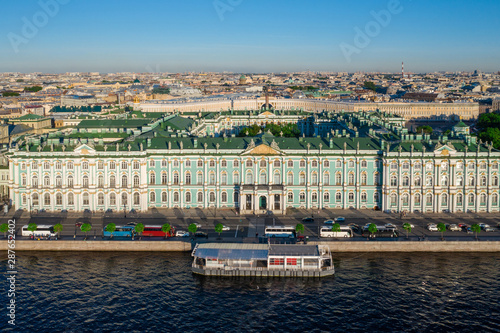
252	251
293	250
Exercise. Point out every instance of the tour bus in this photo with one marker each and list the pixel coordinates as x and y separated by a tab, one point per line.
280	231
41	230
382	231
326	231
120	231
155	230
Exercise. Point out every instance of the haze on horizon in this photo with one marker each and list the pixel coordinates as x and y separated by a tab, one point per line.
55	36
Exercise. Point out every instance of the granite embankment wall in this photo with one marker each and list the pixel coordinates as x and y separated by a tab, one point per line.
398	246
63	245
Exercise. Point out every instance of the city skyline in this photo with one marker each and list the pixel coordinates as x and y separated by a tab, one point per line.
55	36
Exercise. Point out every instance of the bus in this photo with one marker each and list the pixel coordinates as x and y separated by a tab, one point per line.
326	231
280	231
41	230
155	230
120	231
382	231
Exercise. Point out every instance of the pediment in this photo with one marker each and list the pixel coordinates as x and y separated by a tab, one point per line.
262	149
84	149
267	114
445	150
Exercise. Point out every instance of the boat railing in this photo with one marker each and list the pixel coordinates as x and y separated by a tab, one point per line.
263	268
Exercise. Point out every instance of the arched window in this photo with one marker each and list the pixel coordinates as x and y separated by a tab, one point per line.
85	181
363	179
200	196
58	199
406	166
112	199
277	178
314	164
326	164
363	164
100	199
483	180
494	199
100	165
363	197
404	199
176	178
302	179
338	163
262	178
136	181
112	181
136	165
212	164
200	163
124	181
471	181
85	198
417	199
34	165
249	163
58	165
100	181
34	181
176	163
326	196
314	179
263	163
444	199
188	196
494	181
176	196
394	181
164	197
224	197
58	181
152	197
137	198
338	179
46	165
277	163
71	199
428	199
236	178
444	181
188	178
188	163
428	181
152	178
46	181
249	178
164	178
124	199
289	178
85	165
460	199
302	164
482	199
151	164
471	199
211	178
394	166
223	178
290	163
34	199
460	181
406	181
417	181
23	180
376	178
338	197
112	165
314	197
212	196
290	196
236	164
351	197
394	199
302	197
124	165
46	199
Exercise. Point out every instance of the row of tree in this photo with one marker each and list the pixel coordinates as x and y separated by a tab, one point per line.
287	130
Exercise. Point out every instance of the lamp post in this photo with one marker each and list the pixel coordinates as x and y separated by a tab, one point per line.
124	210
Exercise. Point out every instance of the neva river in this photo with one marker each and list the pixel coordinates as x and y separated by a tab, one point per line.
153	292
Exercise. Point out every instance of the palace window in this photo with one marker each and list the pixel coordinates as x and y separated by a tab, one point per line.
46	165
338	179
326	179
200	163
314	179
85	199
188	178
302	197
314	164
314	197
211	178
152	197
351	163
394	181
338	164
100	199
164	178
223	163
263	163
338	197
363	179
112	199
176	163
406	181
417	199
277	163
236	164
136	181
176	178
326	196
249	163
363	197
124	165
200	196
290	196
124	181
188	163
212	197
290	163
302	164
223	197
100	165
364	164
277	178
152	178
58	165
223	178
136	165
112	165
302	179
164	197
46	181
58	199
326	164
176	196
212	163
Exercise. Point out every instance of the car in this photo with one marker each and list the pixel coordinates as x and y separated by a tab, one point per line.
390	226
484	225
86	210
329	222
489	229
354	227
339	219
80	223
468	230
461	225
453	227
181	233
201	234
300	239
109	210
307	220
411	225
225	228
132	223
432	227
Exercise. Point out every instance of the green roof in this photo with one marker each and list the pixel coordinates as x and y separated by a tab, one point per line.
461	124
120	123
178	123
29	117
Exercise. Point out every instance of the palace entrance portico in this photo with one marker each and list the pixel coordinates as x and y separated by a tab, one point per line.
260	199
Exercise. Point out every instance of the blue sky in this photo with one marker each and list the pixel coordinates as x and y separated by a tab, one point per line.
249	35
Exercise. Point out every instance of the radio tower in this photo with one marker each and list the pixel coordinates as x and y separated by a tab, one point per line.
402	70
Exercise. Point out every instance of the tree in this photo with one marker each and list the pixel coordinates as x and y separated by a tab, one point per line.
407	227
166	229
58	229
218	228
476	229
336	227
192	228
370	85
425	128
111	228
441	228
299	228
33	89
32	227
9	94
139	228
4	227
372	228
86	227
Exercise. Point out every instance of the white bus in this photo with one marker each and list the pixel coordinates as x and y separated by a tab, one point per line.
41	230
326	231
280	231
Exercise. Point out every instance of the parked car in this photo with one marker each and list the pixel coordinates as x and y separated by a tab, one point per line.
453	227
339	219
201	234
307	220
484	225
181	233
411	225
461	225
432	227
197	224
468	230
489	229
225	228
354	227
329	222
390	226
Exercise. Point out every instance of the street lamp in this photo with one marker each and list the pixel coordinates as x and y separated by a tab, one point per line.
124	210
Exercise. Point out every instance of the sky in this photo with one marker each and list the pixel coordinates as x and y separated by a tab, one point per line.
251	36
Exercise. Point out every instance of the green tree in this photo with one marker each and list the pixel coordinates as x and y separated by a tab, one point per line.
218	228
192	228
491	134
111	228
370	86
166	229
9	94
33	89
476	229
441	228
86	227
4	227
32	227
372	228
407	227
336	227
139	228
58	229
425	129
299	228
